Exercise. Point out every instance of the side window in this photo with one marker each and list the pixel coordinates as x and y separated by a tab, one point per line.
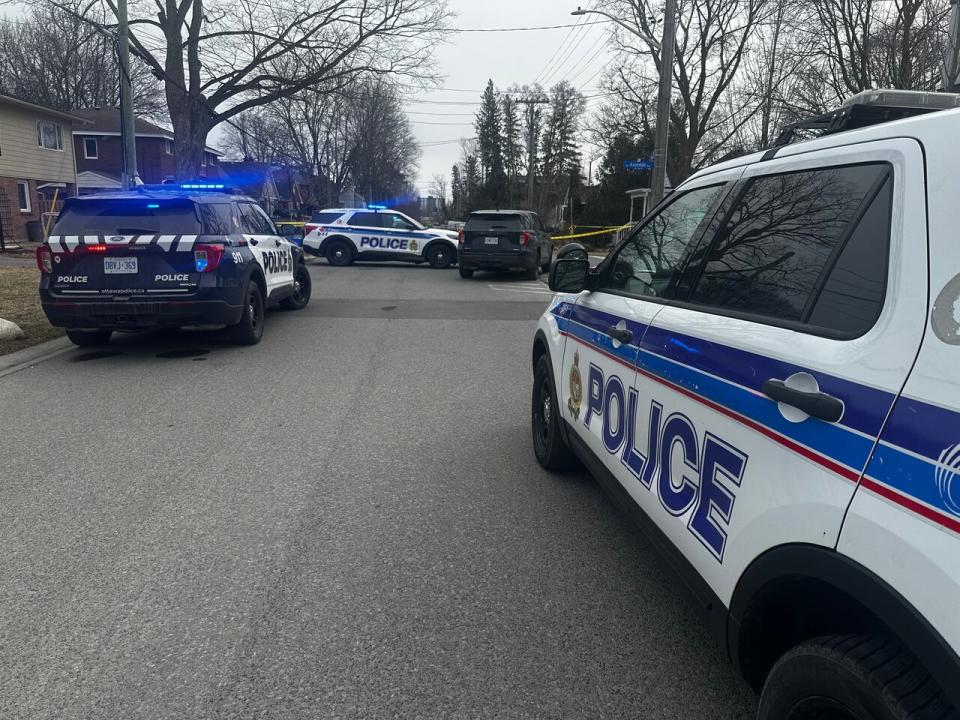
251	222
265	222
782	235
216	218
365	219
396	222
852	296
651	260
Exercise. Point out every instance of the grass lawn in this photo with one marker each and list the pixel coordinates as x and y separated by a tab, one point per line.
20	302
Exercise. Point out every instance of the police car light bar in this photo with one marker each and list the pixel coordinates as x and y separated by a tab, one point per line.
202	186
376	207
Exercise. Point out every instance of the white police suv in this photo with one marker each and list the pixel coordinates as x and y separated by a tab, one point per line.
767	370
376	233
167	256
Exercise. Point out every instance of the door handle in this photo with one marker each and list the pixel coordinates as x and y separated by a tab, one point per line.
620	334
815	404
253	241
277	242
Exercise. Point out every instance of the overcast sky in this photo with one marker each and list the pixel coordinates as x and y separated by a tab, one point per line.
468	60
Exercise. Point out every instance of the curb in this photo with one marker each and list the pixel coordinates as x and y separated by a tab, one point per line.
33	355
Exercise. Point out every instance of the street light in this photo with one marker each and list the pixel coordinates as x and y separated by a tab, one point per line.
662	130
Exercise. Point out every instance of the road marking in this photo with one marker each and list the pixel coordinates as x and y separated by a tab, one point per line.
530	288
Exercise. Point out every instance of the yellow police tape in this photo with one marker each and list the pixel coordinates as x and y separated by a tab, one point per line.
607	231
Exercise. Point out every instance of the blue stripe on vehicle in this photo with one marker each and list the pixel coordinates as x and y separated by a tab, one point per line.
733	383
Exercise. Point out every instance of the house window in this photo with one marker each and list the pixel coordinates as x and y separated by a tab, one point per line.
168	146
90	148
23	194
203	162
49	135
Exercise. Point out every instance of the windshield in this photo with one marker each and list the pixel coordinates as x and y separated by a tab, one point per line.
129	217
494	222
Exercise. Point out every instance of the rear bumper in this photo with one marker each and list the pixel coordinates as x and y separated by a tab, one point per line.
478	260
139	315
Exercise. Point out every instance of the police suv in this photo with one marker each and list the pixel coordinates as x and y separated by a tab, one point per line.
167	256
766	371
375	233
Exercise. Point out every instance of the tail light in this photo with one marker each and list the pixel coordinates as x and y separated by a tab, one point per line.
96	249
460	238
44	259
307	229
525	238
206	258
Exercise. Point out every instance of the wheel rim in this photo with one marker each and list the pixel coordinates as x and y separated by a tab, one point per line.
254	312
439	257
543	414
298	286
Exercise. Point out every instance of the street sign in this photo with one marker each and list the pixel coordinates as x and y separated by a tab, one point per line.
637	165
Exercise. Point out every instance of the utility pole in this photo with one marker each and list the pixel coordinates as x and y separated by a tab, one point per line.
531	104
665	47
662	133
130	176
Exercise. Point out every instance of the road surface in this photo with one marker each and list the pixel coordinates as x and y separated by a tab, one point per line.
346	520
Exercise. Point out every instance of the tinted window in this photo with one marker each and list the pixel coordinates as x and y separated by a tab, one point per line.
852	296
128	217
253	222
365	219
265	222
491	221
397	222
325	218
769	256
651	260
217	218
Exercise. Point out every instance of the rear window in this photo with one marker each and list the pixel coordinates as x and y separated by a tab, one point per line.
130	217
325	218
493	221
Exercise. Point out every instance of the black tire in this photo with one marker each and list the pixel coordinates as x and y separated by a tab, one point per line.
89	338
439	256
250	328
533	272
548	443
466	273
339	253
861	677
546	268
302	287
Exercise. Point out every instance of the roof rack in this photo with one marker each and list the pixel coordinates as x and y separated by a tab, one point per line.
870	107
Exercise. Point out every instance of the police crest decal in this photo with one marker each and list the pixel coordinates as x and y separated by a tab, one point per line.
414	246
575	386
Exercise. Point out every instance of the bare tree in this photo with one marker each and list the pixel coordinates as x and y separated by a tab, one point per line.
54	57
713	37
220	58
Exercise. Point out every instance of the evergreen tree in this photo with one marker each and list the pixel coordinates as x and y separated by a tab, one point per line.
512	146
489	125
561	158
456	190
471	182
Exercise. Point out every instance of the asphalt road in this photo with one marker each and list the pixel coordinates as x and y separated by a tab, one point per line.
346	520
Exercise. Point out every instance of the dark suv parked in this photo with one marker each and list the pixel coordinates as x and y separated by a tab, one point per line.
504	240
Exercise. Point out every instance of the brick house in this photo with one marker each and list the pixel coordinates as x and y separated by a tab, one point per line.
36	164
99	152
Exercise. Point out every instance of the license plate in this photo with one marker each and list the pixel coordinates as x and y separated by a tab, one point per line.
491	241
120	266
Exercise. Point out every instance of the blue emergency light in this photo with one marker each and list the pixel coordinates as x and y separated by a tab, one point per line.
153	206
376	207
202	186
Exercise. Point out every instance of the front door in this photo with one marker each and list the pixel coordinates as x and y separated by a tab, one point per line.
777	366
605	327
273	253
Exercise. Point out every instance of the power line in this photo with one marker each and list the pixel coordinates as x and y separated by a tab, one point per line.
423	122
559	67
562	45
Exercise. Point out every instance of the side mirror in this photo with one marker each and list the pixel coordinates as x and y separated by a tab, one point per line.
572	251
569	275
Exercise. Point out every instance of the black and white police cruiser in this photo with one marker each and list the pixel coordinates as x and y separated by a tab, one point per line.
765	371
344	236
188	255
